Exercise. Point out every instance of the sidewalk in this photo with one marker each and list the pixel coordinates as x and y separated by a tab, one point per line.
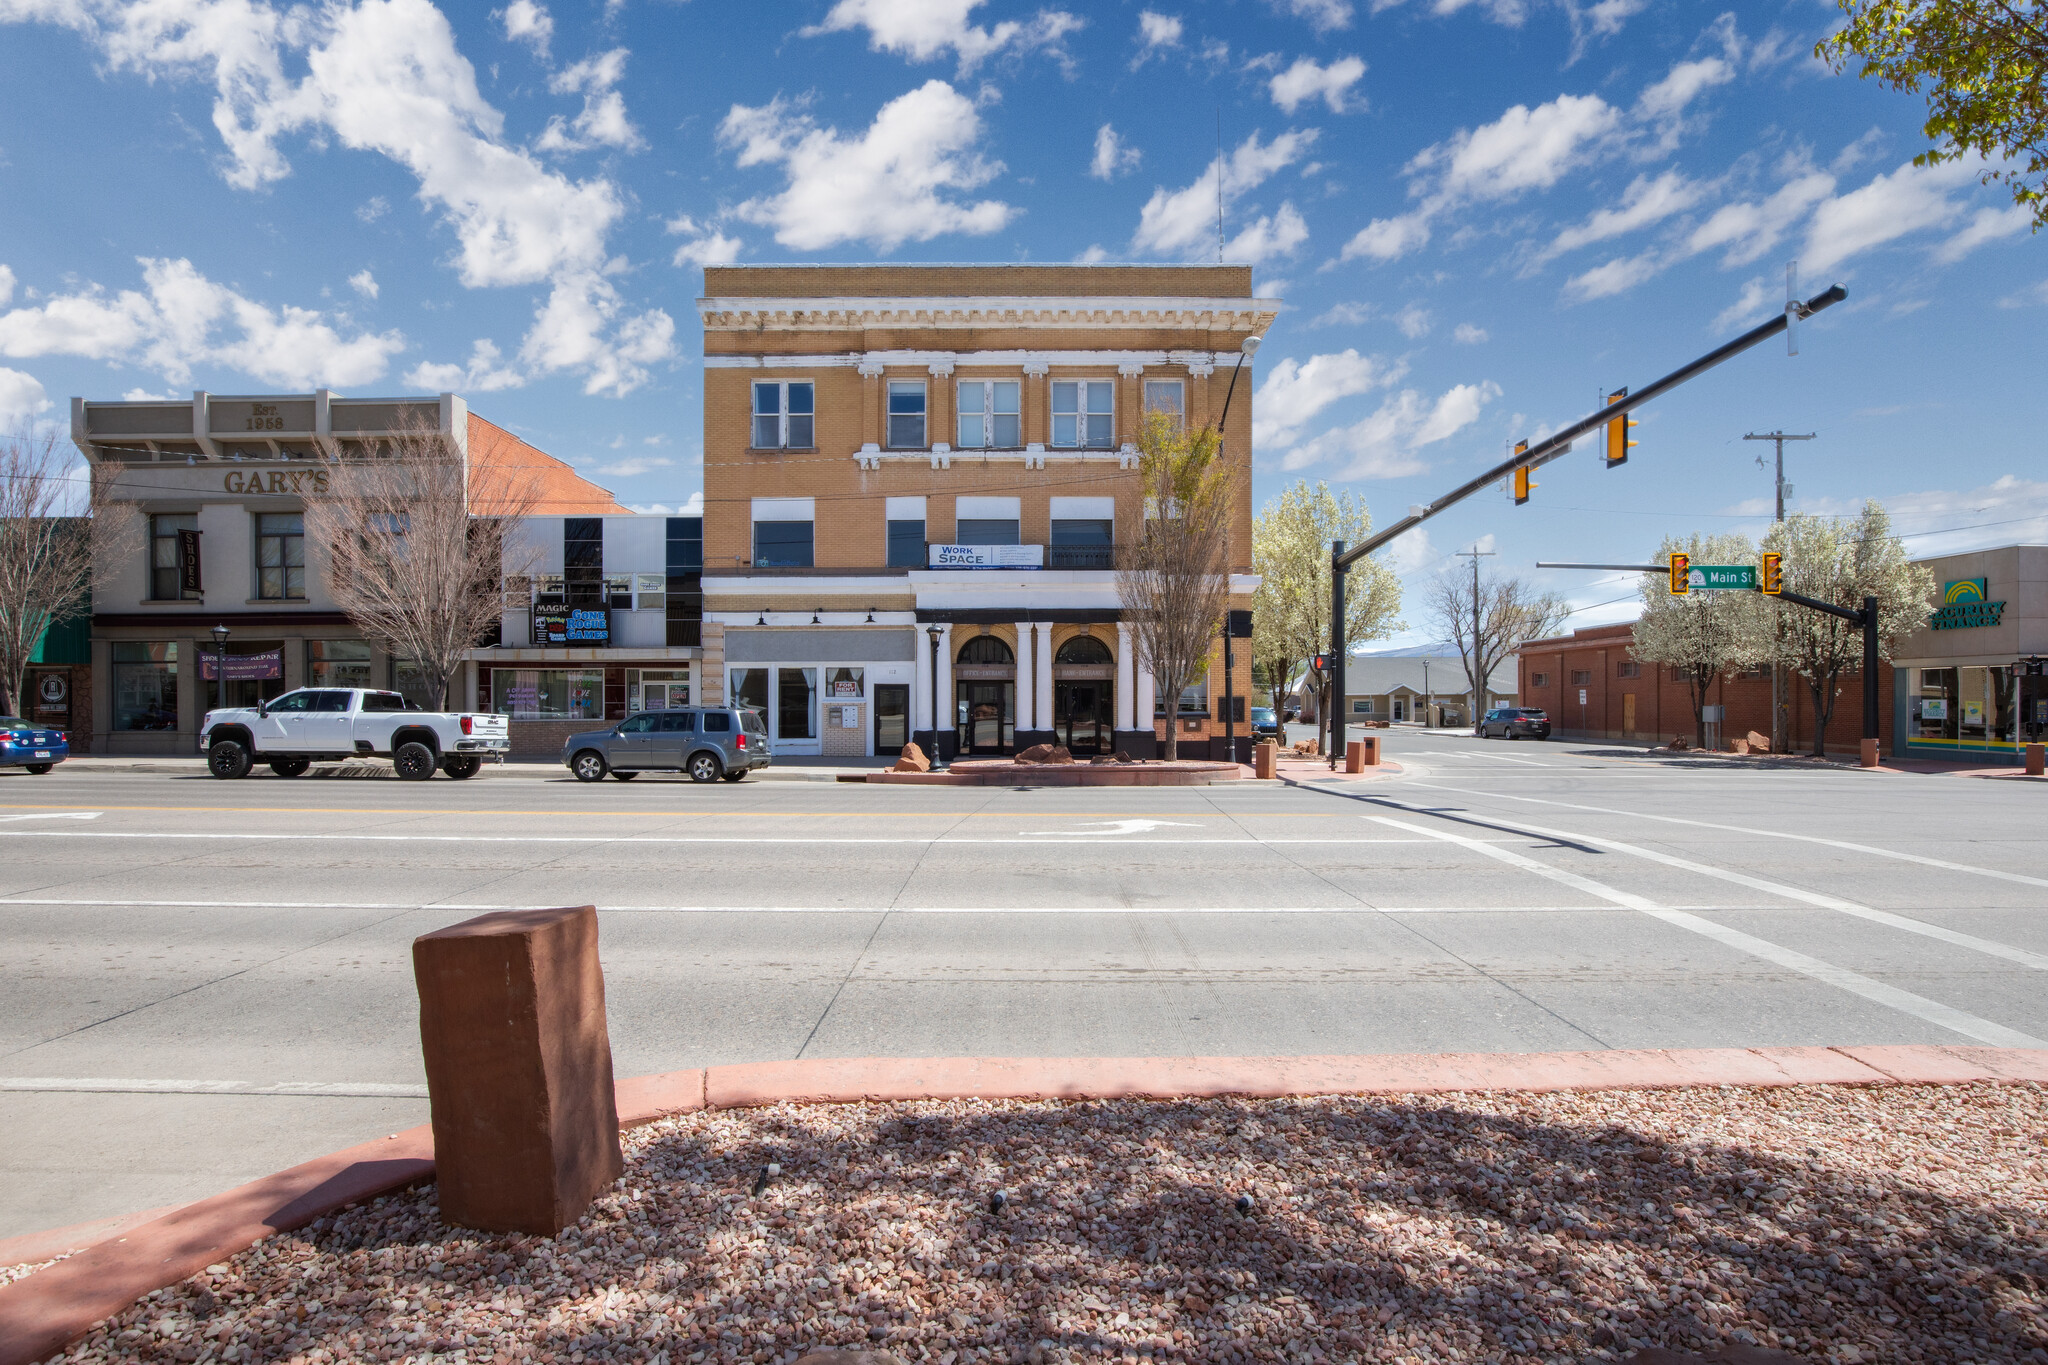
529	767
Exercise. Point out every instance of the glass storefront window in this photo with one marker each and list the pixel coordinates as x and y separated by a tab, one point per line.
750	688
548	693
843	684
796	697
146	685
657	689
255	672
338	663
408	680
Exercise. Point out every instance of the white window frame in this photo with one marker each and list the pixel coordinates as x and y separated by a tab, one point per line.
650	592
989	414
1080	413
889	388
1180	390
782	414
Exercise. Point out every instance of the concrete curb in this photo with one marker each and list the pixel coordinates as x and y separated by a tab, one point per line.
46	1311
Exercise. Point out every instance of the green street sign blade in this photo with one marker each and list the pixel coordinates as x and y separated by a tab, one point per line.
1722	577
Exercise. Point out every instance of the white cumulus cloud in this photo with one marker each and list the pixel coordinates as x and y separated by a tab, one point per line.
364	283
706	245
1468	334
1182	222
1644	202
1321	15
1156	34
893	183
1267	236
1305	81
1387	444
603	122
1909	199
922	30
1295	391
1113	156
21	397
529	23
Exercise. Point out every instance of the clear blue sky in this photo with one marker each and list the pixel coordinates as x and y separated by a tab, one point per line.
1480	213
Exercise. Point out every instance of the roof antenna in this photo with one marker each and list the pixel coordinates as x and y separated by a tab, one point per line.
1219	184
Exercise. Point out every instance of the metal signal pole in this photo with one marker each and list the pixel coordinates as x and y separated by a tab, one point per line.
1779	729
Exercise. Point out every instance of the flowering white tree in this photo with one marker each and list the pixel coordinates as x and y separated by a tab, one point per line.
1291	554
1703	634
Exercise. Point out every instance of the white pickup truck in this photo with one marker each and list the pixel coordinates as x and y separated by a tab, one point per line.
329	724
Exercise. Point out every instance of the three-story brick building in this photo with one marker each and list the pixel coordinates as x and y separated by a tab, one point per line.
915	481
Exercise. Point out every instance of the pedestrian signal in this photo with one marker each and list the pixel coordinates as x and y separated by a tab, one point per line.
1771	578
1680	583
1618	442
1316	663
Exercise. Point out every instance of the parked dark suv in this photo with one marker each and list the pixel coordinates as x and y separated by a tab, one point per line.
705	742
1265	722
1515	722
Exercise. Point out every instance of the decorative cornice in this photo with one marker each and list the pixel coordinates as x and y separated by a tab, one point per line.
845	314
1031	362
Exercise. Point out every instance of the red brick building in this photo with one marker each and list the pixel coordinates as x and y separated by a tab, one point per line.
1626	699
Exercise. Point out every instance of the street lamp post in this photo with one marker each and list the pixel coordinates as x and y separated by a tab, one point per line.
938	754
220	667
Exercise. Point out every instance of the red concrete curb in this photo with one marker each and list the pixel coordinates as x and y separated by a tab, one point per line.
44	1312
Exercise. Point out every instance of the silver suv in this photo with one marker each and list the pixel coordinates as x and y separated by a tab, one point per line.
706	742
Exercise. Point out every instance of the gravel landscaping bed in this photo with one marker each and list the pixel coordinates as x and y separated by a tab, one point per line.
1882	1224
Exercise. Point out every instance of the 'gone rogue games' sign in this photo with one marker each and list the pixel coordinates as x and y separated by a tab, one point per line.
557	625
1963	606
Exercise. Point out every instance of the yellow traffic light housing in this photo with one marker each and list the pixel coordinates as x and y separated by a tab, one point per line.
1681	584
1618	442
1523	483
1771	578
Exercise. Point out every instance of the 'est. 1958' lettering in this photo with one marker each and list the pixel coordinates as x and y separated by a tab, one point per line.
276	481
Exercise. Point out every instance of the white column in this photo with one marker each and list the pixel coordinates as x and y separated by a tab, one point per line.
1026	675
1043	687
1146	699
1126	680
949	711
921	690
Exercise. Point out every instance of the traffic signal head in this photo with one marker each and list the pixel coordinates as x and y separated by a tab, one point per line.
1523	483
1618	442
1772	577
1680	583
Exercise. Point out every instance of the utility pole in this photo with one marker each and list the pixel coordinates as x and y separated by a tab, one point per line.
1477	661
1779	738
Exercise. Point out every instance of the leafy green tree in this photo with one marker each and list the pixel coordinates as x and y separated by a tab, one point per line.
1291	554
1842	560
1984	65
1703	634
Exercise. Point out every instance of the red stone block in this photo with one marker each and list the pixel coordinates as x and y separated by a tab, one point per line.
519	1068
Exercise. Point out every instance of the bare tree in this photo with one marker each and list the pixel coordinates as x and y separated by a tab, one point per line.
47	547
1842	560
1174	580
1488	619
417	548
1702	634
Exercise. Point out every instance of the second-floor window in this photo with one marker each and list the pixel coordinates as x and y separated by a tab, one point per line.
782	544
785	415
906	543
280	556
1084	413
164	567
989	415
906	414
583	560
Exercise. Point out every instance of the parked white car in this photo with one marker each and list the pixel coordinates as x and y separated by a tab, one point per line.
328	724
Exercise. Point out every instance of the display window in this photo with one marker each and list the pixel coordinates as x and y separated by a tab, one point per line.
145	685
338	663
548	693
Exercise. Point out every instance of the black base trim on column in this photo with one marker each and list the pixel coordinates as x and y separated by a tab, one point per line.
1027	738
1137	743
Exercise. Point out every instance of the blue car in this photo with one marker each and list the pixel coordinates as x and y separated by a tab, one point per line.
33	747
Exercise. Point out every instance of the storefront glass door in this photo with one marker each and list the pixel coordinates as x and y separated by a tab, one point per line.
796	710
1084	716
988	717
892	717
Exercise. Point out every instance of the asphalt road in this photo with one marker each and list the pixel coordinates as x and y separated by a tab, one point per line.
206	981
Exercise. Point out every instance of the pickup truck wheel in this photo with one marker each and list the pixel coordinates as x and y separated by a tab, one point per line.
414	761
39	768
461	766
624	776
588	765
704	768
228	759
289	767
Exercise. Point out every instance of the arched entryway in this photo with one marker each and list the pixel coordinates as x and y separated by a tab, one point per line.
985	696
1084	695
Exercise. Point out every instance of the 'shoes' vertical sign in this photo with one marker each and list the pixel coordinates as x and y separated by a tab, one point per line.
188	562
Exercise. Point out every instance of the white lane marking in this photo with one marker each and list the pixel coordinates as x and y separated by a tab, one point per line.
1919	1006
1871	849
2038	961
1121	827
1497	758
465	908
595	839
57	815
114	1085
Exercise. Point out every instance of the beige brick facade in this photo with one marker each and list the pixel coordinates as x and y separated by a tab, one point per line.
850	332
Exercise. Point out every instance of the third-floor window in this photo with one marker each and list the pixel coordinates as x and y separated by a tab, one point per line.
1084	413
989	415
785	415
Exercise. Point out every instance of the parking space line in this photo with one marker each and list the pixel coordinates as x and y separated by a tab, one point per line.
2037	961
1872	849
1878	992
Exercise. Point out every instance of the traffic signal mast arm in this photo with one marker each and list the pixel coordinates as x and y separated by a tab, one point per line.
1556	445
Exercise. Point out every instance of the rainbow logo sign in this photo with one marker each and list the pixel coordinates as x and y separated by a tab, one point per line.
1965	590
